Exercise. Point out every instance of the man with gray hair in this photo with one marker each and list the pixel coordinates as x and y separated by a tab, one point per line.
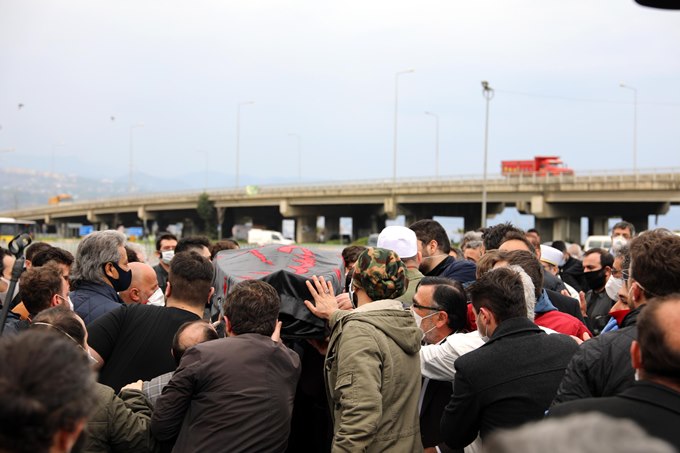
100	271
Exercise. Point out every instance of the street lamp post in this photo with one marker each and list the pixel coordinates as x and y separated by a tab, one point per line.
238	138
396	119
132	128
488	93
436	146
634	90
299	152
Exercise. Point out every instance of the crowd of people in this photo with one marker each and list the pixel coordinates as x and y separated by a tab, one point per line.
504	344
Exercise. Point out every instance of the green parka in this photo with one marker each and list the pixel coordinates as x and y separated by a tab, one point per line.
373	379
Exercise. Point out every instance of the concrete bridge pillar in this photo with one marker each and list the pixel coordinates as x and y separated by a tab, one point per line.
365	225
641	223
332	226
598	225
564	229
472	221
305	229
219	211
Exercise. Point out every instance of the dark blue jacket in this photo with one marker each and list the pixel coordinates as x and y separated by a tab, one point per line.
463	271
91	300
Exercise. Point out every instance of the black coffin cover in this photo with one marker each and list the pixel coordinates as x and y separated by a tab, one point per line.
286	268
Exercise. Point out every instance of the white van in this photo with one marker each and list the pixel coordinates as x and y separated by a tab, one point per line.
603	242
265	237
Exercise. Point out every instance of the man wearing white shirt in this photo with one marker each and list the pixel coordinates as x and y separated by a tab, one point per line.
440	309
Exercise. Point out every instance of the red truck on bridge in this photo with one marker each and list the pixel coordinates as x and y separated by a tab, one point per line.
539	165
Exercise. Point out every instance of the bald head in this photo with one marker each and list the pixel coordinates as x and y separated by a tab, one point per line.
143	285
190	334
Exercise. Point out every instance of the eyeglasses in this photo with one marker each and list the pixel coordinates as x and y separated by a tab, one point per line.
423	307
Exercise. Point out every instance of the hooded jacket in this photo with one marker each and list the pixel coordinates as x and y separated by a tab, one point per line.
373	379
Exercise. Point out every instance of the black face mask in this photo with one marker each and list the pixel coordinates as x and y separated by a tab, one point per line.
595	279
124	278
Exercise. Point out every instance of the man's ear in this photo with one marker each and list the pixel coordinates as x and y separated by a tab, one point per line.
54	300
168	290
134	294
65	440
210	294
635	355
442	319
227	328
419	257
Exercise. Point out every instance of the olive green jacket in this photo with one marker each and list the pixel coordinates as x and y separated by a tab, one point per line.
413	275
373	379
119	424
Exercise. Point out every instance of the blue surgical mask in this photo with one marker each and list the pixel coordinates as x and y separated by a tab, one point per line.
166	256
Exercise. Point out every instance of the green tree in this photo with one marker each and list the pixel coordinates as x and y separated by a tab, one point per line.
206	211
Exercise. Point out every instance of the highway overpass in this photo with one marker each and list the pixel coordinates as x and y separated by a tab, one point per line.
557	202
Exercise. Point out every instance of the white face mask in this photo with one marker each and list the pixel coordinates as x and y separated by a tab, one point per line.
157	298
166	256
419	320
613	286
618	242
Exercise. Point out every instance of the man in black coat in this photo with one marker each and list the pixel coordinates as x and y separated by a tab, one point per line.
514	376
654	401
601	367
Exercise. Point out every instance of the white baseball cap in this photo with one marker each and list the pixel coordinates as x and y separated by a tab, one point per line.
399	239
551	255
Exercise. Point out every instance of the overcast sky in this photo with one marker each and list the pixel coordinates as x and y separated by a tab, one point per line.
326	72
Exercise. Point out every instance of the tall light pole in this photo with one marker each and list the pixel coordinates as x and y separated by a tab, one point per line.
436	146
299	152
238	138
132	128
396	119
623	85
488	93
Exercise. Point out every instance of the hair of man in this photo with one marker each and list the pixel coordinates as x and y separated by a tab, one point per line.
224	244
449	296
606	258
351	253
164	237
559	245
63	319
252	306
179	343
500	291
94	251
622	225
55	254
530	264
190	278
46	387
3	253
659	341
33	249
493	236
487	262
655	262
428	230
192	243
131	254
592	431
39	285
470	237
518	236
